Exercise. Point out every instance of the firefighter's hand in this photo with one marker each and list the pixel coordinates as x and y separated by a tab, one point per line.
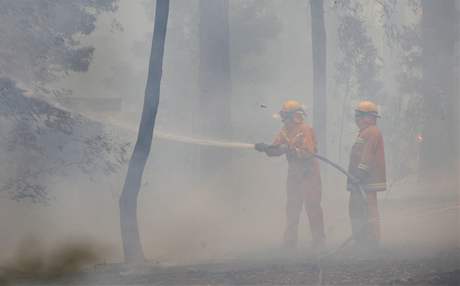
290	150
358	177
261	147
283	148
354	181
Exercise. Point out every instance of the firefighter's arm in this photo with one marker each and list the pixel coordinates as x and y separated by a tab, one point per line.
278	148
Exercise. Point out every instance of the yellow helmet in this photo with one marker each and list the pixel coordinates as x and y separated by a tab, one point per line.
290	108
367	107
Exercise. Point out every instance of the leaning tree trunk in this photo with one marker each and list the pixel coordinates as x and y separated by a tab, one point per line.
318	38
439	147
128	201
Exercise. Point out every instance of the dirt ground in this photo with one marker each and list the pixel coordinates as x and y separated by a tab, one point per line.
388	267
420	246
424	262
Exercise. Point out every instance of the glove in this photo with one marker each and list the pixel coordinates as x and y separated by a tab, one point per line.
359	177
353	184
261	147
276	150
354	181
283	148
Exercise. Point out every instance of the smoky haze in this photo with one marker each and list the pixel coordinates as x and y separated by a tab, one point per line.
188	215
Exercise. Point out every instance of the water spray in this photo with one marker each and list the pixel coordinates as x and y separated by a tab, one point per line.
210	142
203	141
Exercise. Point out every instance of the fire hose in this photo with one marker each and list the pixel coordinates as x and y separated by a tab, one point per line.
361	191
236	145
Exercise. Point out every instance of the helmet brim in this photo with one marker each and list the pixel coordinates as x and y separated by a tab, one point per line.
366	113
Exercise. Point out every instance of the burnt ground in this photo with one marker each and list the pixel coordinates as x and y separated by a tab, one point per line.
421	246
385	267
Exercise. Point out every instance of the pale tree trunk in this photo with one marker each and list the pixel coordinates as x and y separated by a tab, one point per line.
318	38
439	149
132	247
215	85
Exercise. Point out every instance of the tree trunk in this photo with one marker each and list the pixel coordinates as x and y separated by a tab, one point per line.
215	84
132	247
318	38
439	146
342	120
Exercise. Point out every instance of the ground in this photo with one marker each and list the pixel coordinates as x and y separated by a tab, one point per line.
384	268
420	246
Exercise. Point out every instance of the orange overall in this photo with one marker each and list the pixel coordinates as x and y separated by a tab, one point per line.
367	163
303	182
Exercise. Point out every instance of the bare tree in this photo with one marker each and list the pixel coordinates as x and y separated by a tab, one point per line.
128	201
318	38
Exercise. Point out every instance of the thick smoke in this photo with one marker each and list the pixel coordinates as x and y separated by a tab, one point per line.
190	217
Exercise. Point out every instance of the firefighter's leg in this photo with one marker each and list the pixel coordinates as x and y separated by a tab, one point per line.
358	216
294	203
374	218
315	214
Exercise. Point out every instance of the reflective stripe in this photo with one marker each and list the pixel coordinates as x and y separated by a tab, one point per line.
297	135
359	140
363	167
376	186
284	134
291	141
303	153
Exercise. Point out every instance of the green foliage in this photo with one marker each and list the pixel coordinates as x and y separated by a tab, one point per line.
357	66
39	39
40	142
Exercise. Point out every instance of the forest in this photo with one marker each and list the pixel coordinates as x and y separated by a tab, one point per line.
128	130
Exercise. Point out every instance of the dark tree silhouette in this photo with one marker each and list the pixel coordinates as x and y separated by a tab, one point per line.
318	38
128	201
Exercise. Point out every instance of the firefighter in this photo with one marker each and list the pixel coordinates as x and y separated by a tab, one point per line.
367	167
297	141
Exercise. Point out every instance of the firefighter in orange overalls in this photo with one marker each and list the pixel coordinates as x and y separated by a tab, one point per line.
367	167
297	141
